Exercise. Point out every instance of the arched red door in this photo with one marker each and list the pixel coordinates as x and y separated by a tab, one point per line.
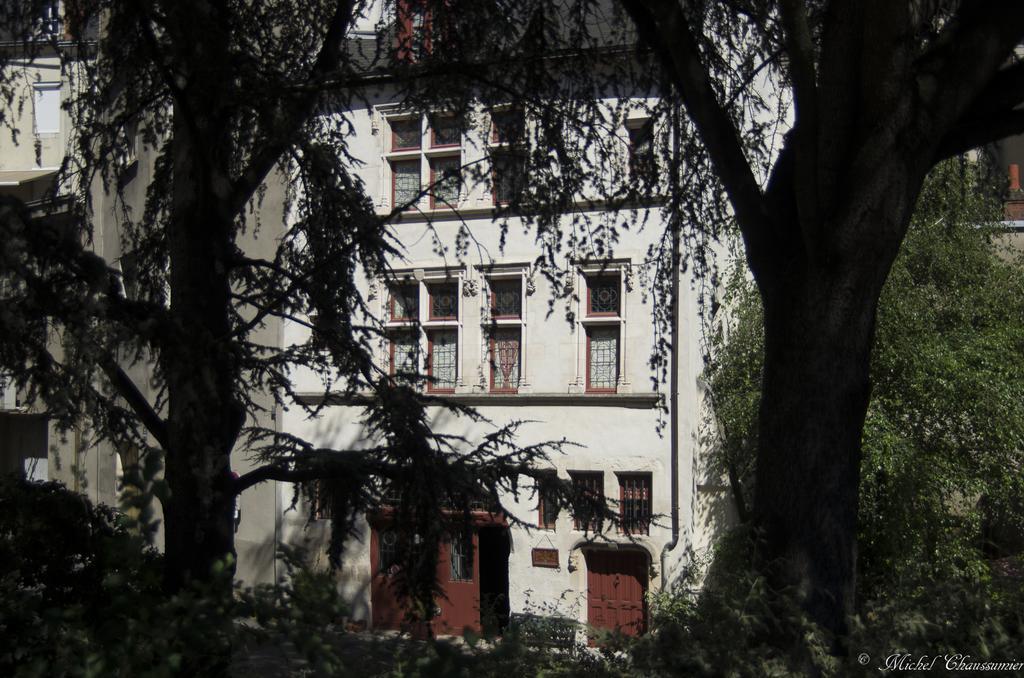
616	588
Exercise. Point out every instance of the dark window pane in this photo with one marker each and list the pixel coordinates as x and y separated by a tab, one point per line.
635	503
444	302
589	498
462	558
405	134
506	299
447	179
446	131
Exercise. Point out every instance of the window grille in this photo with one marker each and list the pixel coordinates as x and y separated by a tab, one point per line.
635	503
462	558
588	488
547	508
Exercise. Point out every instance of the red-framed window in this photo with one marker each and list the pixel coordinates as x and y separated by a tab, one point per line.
602	358
445	131
547	502
404	302
387	552
443	300
635	502
405	183
442	360
403	355
603	296
505	346
506	299
508	169
445	181
641	150
507	126
406	134
588	490
415	24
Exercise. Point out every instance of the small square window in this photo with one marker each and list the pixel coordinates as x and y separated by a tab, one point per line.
505	348
442	360
507	127
603	296
635	502
602	359
404	302
445	131
547	501
406	135
405	183
446	180
506	299
588	491
444	301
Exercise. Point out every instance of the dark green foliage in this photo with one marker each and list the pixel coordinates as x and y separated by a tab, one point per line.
80	595
943	444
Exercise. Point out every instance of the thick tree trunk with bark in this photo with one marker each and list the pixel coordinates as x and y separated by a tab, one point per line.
200	363
818	336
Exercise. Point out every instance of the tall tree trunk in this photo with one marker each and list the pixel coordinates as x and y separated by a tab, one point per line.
201	367
819	327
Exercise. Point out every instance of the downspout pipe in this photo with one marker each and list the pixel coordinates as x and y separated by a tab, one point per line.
675	226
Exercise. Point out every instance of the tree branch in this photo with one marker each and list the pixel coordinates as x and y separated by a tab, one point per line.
970	134
662	25
297	113
127	389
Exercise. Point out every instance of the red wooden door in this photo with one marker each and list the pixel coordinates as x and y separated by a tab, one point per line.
458	569
616	584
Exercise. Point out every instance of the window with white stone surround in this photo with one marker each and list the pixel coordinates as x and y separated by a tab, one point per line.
503	330
423	156
602	323
423	321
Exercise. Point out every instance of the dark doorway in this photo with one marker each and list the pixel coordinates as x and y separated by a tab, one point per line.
495	545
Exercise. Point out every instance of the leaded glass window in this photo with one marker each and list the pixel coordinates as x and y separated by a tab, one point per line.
404	354
445	131
506	299
443	360
446	175
405	176
505	347
462	558
405	135
444	302
602	358
603	296
405	302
